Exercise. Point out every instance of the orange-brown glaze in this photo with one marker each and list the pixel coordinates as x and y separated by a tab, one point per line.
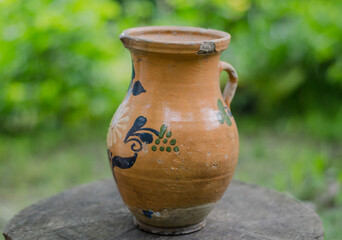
179	91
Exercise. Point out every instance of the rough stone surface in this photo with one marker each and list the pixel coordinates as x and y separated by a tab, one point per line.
96	211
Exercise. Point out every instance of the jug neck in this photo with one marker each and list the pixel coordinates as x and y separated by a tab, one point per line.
199	74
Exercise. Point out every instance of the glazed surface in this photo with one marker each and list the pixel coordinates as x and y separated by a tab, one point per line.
172	143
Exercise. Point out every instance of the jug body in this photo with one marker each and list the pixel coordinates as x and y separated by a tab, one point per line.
173	143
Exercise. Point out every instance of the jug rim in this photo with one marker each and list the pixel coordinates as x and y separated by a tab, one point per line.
174	39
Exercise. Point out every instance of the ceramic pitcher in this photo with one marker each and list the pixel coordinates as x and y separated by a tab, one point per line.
173	143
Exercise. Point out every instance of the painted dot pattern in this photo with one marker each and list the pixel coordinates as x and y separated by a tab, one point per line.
164	141
168	134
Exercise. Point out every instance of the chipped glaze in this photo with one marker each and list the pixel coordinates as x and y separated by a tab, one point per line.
173	143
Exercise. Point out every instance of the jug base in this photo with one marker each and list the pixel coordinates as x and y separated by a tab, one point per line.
169	231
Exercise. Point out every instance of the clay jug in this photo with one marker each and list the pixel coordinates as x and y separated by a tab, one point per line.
173	143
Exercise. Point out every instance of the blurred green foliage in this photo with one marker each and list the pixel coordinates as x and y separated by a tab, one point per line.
62	64
54	57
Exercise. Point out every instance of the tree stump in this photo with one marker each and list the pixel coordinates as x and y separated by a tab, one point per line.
96	211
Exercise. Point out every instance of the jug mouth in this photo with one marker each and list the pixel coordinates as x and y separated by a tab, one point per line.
177	40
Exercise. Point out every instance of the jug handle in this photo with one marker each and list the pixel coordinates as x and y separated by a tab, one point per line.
231	85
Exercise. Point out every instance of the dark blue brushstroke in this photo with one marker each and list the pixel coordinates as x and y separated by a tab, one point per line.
142	137
138	138
124	162
145	137
150	130
138	126
133	76
133	146
138	88
147	213
230	114
133	71
110	154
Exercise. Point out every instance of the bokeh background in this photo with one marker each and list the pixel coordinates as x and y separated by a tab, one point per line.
63	72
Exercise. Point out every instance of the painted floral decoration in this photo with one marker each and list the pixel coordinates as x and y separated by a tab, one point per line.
163	142
224	114
118	124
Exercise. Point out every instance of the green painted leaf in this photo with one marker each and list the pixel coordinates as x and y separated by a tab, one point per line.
220	105
220	117
162	131
227	119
